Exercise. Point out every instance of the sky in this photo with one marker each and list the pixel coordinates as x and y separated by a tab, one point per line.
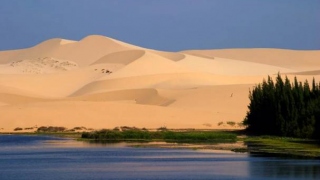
170	25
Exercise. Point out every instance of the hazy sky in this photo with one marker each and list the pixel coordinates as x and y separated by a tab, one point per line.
171	25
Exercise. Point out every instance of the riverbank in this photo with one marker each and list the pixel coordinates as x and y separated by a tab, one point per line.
236	141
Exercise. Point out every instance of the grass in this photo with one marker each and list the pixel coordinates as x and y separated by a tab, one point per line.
282	146
167	136
73	135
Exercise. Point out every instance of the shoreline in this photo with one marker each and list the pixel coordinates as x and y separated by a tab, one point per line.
156	143
255	145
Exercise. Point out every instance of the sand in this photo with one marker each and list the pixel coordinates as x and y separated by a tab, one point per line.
99	82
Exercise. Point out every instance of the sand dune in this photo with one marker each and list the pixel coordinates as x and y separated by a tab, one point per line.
102	114
170	55
7	99
121	57
149	64
89	49
84	52
49	85
44	49
100	82
301	60
37	66
66	41
315	72
138	96
165	81
224	66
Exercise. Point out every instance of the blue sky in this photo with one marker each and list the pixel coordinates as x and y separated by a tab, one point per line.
170	25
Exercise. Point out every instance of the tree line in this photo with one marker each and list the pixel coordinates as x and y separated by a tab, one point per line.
283	108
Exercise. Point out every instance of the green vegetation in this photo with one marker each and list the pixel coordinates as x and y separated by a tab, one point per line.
284	109
284	147
263	145
165	135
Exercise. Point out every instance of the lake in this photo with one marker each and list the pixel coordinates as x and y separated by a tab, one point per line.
46	157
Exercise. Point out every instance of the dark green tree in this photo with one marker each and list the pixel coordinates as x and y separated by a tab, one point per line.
284	109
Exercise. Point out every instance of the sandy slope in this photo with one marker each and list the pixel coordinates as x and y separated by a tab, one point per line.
225	66
100	82
101	114
50	85
292	59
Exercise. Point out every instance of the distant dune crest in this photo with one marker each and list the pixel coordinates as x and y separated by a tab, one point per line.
65	41
100	82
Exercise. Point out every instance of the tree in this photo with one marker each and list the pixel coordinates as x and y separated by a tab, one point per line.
284	109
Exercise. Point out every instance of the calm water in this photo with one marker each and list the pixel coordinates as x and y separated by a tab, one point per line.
40	157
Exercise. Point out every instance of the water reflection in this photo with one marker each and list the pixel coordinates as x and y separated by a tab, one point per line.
57	158
284	168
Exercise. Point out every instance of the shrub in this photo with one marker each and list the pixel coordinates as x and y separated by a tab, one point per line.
18	129
126	128
231	123
116	129
51	129
162	128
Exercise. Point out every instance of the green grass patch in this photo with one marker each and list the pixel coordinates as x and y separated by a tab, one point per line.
283	146
168	136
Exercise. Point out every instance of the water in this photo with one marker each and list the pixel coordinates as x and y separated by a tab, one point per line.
41	157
